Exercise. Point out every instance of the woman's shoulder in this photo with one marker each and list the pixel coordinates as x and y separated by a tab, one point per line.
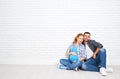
72	44
82	46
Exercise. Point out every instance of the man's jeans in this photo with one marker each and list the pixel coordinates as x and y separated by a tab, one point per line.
95	64
69	65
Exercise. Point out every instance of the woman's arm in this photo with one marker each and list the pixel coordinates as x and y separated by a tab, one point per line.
82	53
70	53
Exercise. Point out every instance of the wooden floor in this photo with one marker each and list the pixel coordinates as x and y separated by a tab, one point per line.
51	72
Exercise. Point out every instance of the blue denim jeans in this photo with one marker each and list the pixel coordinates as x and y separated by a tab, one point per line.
95	64
69	65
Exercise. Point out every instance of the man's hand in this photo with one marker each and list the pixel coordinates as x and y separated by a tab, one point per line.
94	56
96	52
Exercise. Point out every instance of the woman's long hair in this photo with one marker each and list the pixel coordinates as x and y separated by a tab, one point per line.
75	39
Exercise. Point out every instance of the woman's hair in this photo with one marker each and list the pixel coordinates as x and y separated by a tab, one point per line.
75	39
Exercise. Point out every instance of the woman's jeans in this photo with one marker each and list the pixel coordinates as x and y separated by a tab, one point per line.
69	65
95	64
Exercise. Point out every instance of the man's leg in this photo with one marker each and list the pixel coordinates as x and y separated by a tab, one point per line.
90	61
101	58
90	65
101	61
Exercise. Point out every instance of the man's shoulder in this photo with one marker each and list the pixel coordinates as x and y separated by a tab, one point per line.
91	41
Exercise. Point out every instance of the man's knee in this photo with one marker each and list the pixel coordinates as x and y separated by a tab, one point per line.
84	66
103	50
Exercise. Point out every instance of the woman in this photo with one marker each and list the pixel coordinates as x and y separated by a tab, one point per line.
75	54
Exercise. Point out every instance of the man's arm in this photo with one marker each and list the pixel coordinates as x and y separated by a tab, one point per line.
98	47
96	52
97	44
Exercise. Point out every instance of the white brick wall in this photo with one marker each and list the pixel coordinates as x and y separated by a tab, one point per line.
39	31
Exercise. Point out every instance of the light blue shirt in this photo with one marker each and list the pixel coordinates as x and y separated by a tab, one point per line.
80	50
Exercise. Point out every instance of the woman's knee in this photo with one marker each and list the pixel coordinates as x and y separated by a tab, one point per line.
61	60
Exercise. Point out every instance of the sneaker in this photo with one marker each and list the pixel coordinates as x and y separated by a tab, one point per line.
62	67
76	69
109	70
103	71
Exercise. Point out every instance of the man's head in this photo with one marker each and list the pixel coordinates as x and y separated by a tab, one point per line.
87	36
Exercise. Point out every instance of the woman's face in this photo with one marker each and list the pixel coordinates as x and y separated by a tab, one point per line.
80	39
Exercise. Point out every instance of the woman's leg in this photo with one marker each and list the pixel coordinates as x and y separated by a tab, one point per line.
64	62
72	66
69	65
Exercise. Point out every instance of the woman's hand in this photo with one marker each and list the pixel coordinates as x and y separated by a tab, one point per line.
82	59
73	53
67	54
70	53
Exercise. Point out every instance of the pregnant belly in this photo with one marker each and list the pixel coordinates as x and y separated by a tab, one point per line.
73	58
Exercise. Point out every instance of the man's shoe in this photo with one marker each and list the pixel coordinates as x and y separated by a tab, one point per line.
103	71
109	70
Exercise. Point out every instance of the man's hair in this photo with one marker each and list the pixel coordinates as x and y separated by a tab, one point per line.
87	33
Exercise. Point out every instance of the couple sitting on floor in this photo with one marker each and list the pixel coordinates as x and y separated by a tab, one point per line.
85	54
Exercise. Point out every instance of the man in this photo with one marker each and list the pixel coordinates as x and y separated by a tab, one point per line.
96	55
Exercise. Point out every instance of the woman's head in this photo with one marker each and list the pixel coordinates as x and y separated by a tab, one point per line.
78	38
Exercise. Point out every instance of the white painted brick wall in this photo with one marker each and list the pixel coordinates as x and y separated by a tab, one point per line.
39	31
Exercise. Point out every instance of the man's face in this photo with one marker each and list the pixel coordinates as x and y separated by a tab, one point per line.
86	37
